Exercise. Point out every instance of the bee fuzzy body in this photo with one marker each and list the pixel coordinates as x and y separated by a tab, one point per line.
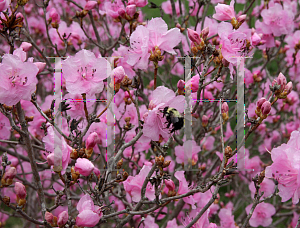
173	117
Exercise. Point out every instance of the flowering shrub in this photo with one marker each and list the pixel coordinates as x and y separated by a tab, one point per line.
111	118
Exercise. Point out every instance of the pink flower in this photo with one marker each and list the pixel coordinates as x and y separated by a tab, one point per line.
285	168
20	190
62	218
170	185
133	185
84	73
224	12
267	186
131	10
92	140
4	127
183	188
90	5
261	215
224	107
226	218
26	46
167	7
119	74
138	3
18	80
4	5
89	214
266	108
53	14
276	20
154	122
84	166
150	222
188	152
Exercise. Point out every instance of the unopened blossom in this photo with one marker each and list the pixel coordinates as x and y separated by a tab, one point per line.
26	46
84	73
130	10
92	140
170	185
89	214
285	168
54	16
84	166
62	218
266	108
194	36
118	74
138	3
224	12
4	4
8	176
18	80
262	214
20	190
224	107
90	5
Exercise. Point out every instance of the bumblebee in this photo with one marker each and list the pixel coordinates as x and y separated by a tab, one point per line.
173	117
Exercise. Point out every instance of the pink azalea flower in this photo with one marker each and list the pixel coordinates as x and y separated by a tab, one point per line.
154	121
224	12
84	73
167	7
203	221
62	218
138	3
133	185
226	218
262	214
183	188
4	5
150	222
276	19
188	152
4	127
173	224
18	80
267	186
89	214
285	168
84	166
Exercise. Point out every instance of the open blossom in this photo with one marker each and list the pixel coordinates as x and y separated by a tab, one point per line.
286	167
18	79
188	152
133	185
89	214
4	5
84	73
224	12
262	214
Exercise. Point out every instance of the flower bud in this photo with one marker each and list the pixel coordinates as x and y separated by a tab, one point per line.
20	15
255	38
51	219
90	5
180	84
50	159
288	88
204	120
260	102
194	36
40	65
84	166
92	140
170	185
8	177
62	218
119	74
119	164
54	15
159	160
224	107
131	10
121	12
20	190
205	32
266	108
281	80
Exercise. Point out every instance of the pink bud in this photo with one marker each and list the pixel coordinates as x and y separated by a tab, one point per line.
170	185
255	38
180	84
54	15
195	83
281	80
92	140
193	36
119	74
19	15
84	166
10	173
289	87
40	65
131	10
90	5
121	12
4	4
241	18
205	32
50	159
274	82
26	46
96	171
204	120
224	107
260	102
62	218
277	43
266	108
20	190
49	217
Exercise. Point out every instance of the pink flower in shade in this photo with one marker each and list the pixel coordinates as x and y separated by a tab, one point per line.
18	80
286	168
154	121
90	5
203	221
276	19
84	166
20	190
123	51
267	186
118	74
112	7
84	73
138	3
160	36
62	218
173	224
207	142
262	214
188	152
294	220
183	188
292	40
226	218
150	222
3	218
4	5
167	7
4	127
54	16
133	185
89	214
224	12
